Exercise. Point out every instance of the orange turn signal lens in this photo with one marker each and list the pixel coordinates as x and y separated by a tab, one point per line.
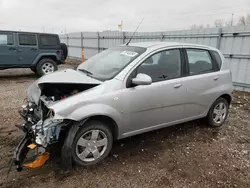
32	146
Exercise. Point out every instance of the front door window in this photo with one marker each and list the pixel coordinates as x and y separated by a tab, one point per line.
162	66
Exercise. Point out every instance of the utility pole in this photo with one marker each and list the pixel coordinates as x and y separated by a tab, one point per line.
232	19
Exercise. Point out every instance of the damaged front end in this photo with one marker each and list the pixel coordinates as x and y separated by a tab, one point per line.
41	127
41	130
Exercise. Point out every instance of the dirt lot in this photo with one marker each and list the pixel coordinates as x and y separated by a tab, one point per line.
187	155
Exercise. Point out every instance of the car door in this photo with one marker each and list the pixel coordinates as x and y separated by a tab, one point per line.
202	82
8	52
153	106
27	48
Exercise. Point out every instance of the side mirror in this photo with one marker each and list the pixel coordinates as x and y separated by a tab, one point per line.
142	79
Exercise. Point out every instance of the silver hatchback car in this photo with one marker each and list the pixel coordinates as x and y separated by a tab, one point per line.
121	92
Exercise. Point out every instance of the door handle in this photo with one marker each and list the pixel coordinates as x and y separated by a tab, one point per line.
216	77
33	49
12	48
177	85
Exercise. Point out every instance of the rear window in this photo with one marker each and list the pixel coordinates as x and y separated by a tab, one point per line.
217	58
6	39
49	41
27	39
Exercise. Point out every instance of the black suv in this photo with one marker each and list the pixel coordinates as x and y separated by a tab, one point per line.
40	52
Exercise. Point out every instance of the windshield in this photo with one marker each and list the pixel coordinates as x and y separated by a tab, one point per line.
109	63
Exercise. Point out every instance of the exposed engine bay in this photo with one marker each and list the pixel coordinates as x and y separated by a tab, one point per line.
40	117
58	91
40	127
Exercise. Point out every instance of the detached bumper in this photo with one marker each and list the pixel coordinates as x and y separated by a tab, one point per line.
21	151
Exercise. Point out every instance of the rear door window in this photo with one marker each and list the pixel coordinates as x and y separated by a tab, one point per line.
49	41
27	40
6	39
199	61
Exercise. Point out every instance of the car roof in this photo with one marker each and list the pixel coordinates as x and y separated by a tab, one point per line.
159	44
27	32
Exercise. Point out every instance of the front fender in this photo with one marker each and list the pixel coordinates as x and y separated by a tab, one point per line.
90	110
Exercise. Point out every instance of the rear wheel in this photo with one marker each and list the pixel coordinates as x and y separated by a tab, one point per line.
46	66
92	143
218	113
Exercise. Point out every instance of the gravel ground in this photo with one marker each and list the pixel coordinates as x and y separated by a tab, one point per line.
187	155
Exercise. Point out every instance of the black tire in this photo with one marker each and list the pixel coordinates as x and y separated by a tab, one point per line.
87	127
40	64
64	48
210	115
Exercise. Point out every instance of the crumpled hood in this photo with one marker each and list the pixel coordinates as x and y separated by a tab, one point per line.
68	76
63	76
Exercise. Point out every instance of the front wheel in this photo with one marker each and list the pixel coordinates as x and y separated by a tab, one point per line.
218	113
92	143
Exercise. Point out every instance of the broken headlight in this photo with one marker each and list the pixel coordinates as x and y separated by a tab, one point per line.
29	113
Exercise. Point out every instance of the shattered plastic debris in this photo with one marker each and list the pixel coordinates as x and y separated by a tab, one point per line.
39	161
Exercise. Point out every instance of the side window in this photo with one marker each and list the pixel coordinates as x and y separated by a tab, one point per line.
217	58
162	65
156	58
27	40
6	39
199	61
49	40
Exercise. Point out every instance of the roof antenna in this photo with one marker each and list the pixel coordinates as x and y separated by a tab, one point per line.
135	31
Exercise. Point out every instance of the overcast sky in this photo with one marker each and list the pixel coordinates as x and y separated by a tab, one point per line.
93	15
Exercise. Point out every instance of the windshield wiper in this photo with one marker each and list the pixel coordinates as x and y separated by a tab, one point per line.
85	71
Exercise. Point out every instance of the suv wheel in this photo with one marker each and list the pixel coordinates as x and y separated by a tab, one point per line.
46	66
92	143
218	113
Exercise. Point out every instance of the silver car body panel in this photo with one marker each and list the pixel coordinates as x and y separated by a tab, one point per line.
68	76
142	108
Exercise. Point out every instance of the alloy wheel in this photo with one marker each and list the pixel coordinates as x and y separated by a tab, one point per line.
91	145
219	113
